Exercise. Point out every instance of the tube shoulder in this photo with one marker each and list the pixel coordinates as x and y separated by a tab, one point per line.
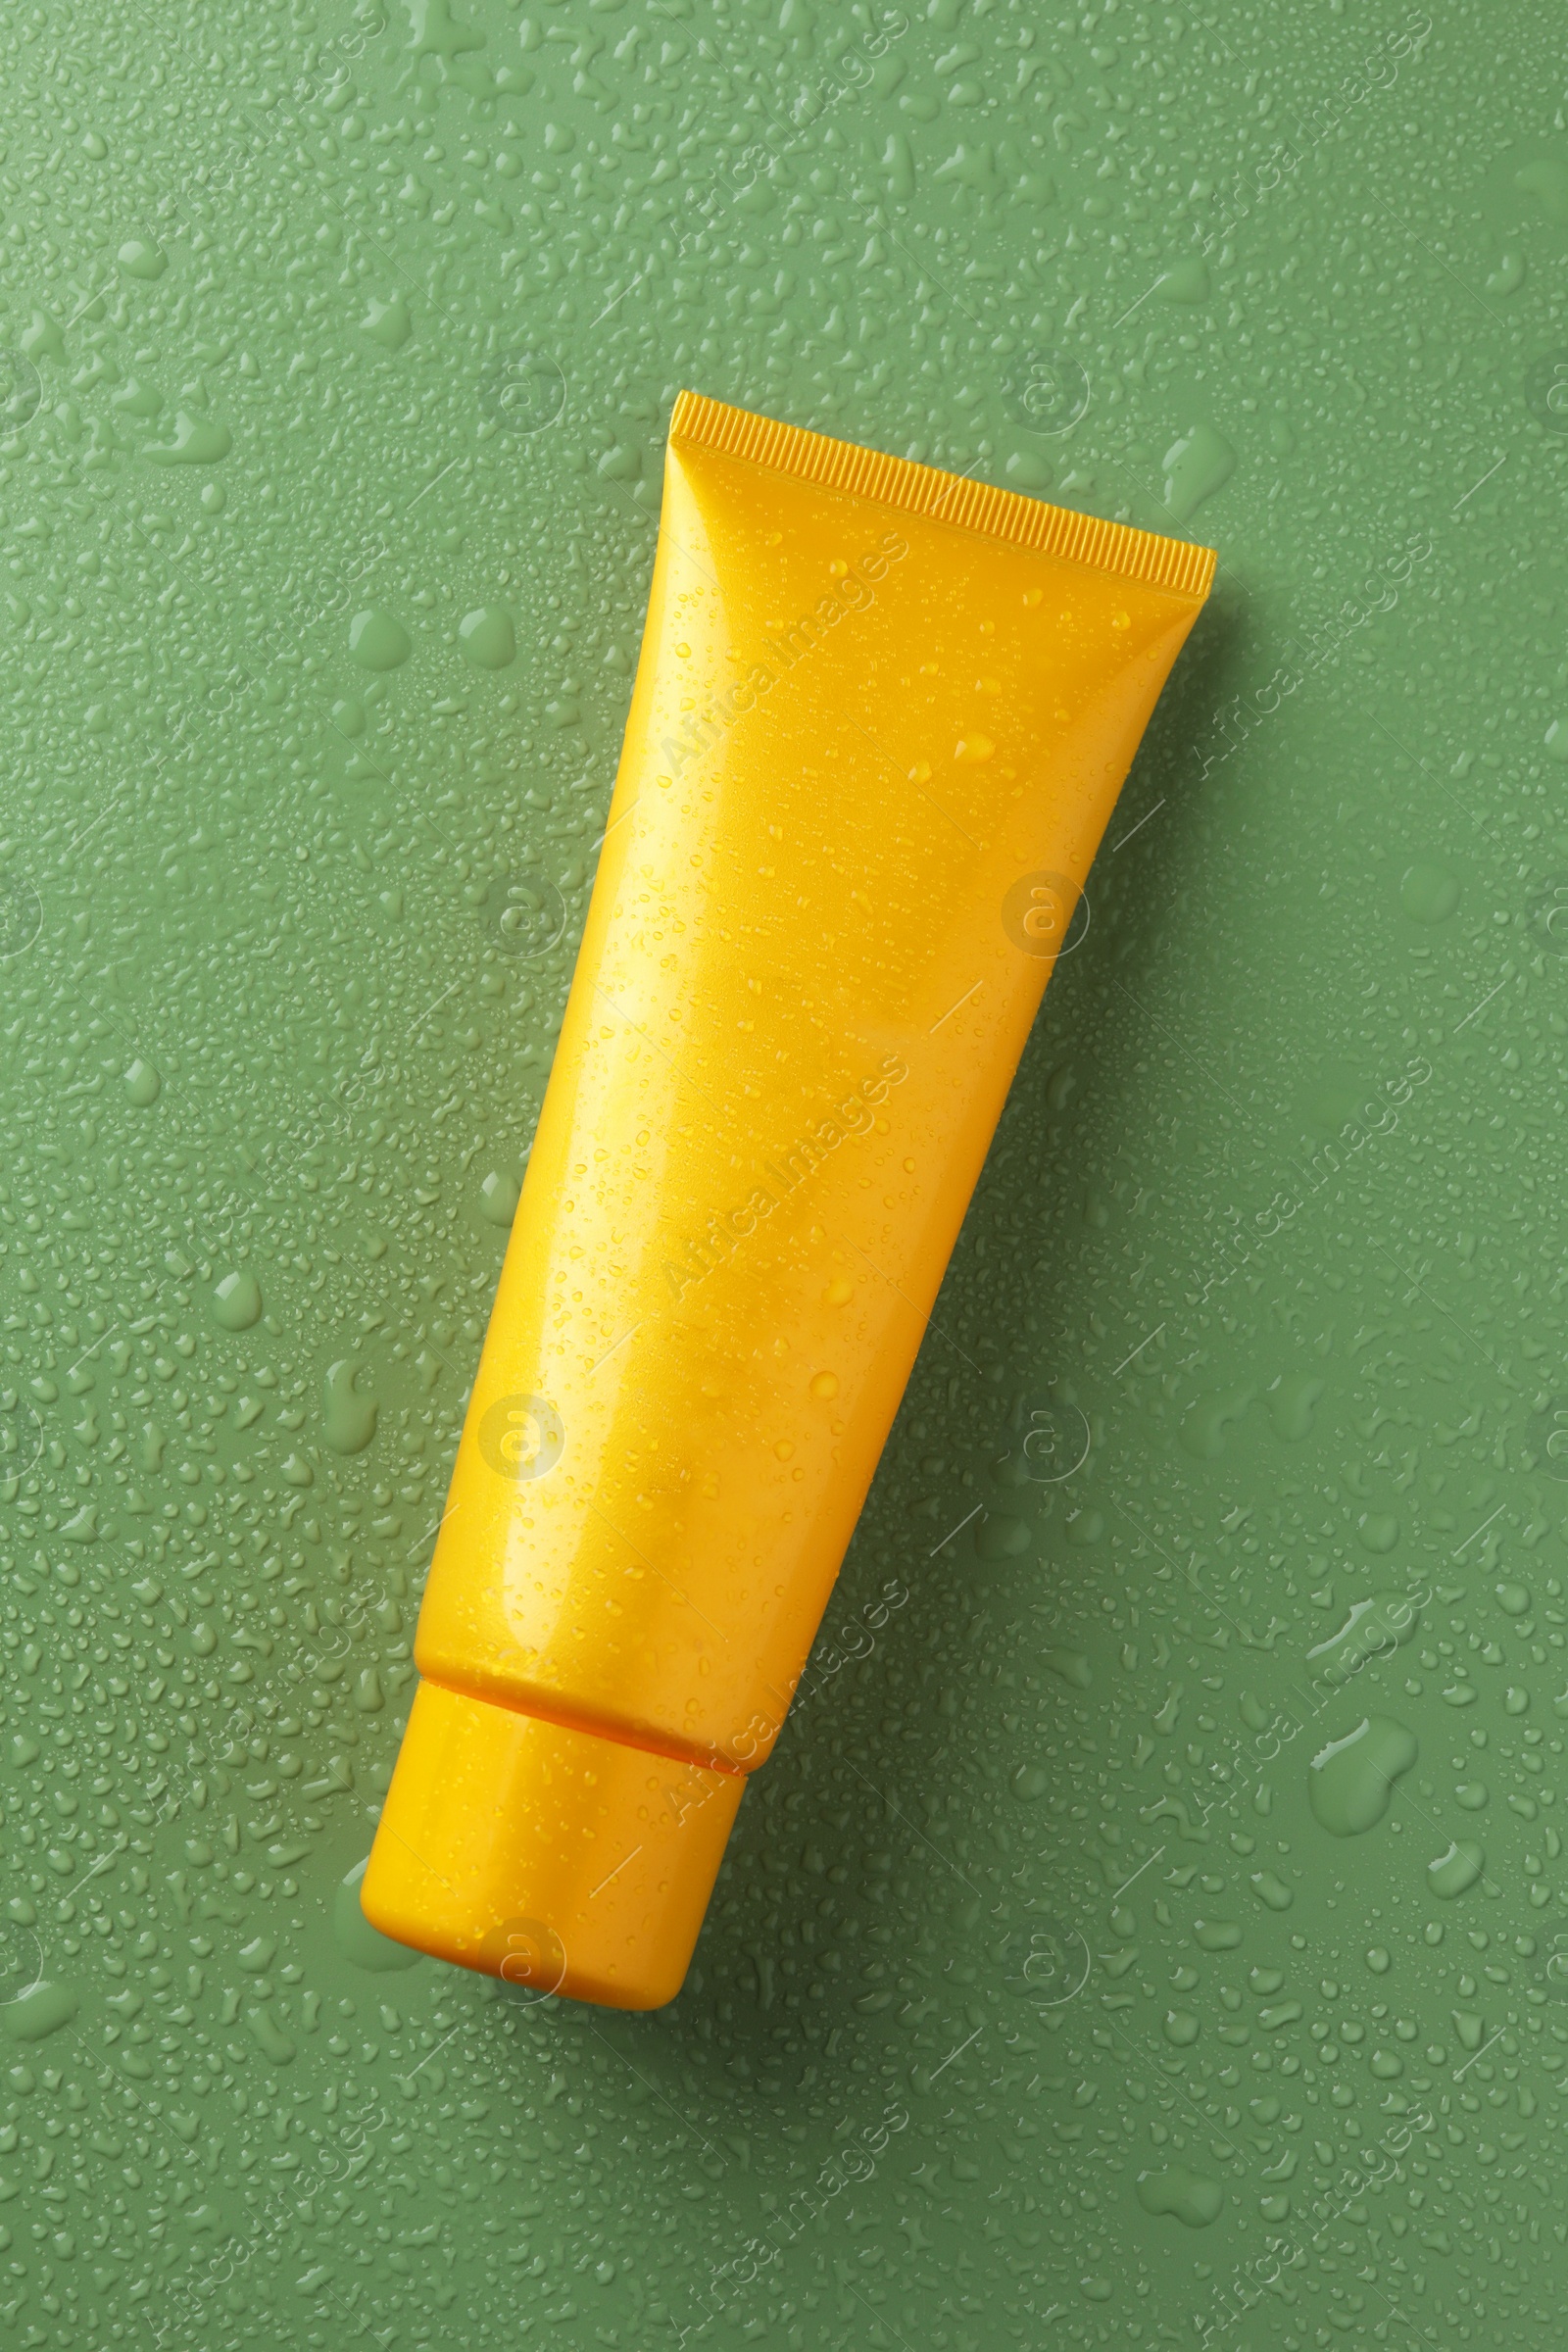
1177	564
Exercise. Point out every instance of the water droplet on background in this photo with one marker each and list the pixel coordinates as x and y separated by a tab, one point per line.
498	1195
39	2011
388	322
1429	892
1189	2196
1455	1871
349	1418
378	642
238	1302
1197	464
487	638
1350	1782
139	259
198	441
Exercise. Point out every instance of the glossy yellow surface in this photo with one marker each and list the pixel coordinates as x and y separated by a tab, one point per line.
564	1863
870	754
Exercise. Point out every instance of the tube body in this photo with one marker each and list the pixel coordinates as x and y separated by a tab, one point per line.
880	719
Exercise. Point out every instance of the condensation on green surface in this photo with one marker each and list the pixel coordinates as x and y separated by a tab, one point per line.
1152	1928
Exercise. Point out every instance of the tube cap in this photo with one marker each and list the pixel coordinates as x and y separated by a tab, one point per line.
555	1859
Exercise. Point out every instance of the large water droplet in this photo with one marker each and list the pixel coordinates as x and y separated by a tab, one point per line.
42	2009
378	642
1196	467
388	322
198	441
1456	1870
139	258
498	1195
1187	280
1350	1781
487	637
237	1303
21	1950
999	1536
1374	1626
1292	1399
1429	892
350	1419
1187	2197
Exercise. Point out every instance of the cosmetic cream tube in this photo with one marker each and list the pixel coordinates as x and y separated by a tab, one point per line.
880	719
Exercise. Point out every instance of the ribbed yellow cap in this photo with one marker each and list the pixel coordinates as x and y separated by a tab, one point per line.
555	1859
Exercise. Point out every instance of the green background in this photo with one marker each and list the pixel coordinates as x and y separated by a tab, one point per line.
1052	1992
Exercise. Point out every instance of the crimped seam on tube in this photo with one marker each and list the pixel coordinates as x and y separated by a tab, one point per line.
1113	547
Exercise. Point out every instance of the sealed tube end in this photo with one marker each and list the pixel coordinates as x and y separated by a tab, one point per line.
555	1859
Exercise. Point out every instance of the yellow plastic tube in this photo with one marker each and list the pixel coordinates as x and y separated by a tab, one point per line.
880	719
